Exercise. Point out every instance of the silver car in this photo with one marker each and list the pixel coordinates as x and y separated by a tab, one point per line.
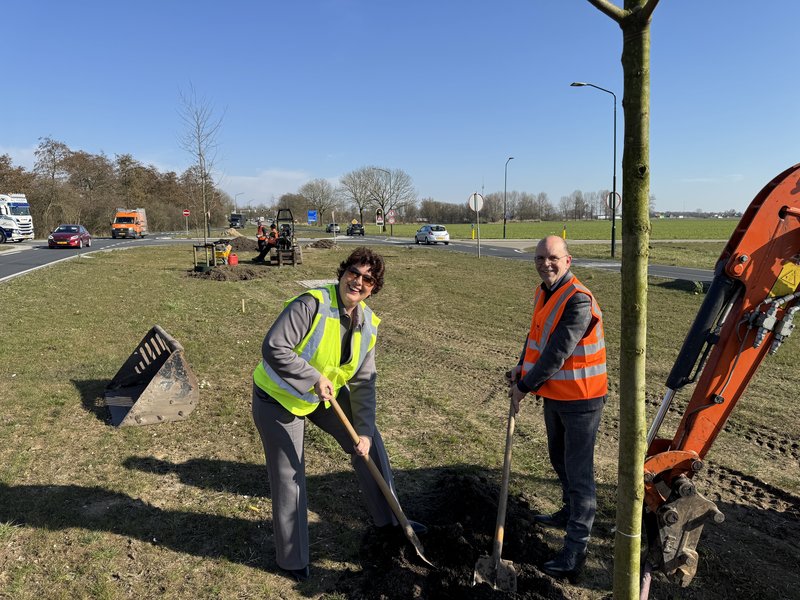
432	234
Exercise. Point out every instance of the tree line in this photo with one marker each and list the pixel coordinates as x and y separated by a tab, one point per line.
360	193
73	186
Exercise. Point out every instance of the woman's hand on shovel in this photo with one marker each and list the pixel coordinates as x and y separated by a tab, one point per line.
363	445
324	389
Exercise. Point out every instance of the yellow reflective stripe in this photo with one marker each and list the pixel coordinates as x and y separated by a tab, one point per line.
276	379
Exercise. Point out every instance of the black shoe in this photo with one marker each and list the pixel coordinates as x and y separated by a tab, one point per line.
299	575
557	519
567	563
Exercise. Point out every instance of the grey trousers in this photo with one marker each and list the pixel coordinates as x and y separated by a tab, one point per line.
282	436
571	437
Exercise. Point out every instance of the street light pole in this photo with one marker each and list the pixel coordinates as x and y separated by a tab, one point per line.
614	181
505	187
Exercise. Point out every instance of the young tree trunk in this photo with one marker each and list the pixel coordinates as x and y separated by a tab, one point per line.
634	20
633	342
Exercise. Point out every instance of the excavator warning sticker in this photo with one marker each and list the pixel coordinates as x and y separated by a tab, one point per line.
787	281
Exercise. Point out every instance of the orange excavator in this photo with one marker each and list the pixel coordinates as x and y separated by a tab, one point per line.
747	313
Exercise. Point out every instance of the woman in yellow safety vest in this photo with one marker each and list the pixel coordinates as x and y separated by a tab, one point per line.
321	346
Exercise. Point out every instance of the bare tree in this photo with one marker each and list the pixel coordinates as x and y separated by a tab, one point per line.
357	187
320	194
200	140
50	160
393	190
634	20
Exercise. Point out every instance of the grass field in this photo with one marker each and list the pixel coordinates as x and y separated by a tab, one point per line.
180	510
663	229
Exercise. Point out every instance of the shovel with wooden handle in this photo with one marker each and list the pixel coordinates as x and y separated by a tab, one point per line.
393	503
495	571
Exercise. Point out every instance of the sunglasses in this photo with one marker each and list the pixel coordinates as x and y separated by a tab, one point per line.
355	274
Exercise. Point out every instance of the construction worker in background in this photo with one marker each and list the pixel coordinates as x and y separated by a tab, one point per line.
322	346
563	361
267	240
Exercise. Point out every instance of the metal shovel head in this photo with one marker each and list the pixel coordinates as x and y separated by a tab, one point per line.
499	574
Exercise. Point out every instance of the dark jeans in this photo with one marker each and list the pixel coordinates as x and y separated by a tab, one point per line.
571	434
264	248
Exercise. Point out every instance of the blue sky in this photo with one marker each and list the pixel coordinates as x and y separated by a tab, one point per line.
444	90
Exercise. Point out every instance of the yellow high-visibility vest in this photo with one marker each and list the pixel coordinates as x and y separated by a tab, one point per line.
322	349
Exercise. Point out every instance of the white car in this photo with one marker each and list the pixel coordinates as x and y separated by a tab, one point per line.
432	234
332	228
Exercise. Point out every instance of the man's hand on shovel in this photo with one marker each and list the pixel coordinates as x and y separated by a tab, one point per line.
514	392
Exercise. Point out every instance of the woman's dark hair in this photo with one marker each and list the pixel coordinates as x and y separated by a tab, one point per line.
364	256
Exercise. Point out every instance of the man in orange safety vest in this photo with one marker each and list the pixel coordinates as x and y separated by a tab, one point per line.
564	362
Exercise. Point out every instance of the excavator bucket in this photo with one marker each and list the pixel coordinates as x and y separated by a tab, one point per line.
155	385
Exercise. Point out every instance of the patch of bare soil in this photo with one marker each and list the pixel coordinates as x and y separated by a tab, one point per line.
238	272
753	554
460	511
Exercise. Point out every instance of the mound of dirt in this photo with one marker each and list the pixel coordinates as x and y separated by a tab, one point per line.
243	244
323	243
460	512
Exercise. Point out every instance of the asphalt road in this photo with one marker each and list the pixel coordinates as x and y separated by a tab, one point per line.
513	249
23	257
18	259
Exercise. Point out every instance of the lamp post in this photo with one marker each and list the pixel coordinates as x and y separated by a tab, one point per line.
614	181
505	187
235	208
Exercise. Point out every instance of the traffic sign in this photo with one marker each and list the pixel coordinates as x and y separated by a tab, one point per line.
186	212
617	204
476	202
390	218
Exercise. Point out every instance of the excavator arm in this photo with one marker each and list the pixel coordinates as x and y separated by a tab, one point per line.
747	313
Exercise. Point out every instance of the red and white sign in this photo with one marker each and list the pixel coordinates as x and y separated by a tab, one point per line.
391	215
186	212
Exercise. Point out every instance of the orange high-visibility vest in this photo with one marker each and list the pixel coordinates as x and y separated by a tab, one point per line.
583	375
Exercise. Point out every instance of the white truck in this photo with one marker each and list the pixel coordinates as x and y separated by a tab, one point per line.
16	223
